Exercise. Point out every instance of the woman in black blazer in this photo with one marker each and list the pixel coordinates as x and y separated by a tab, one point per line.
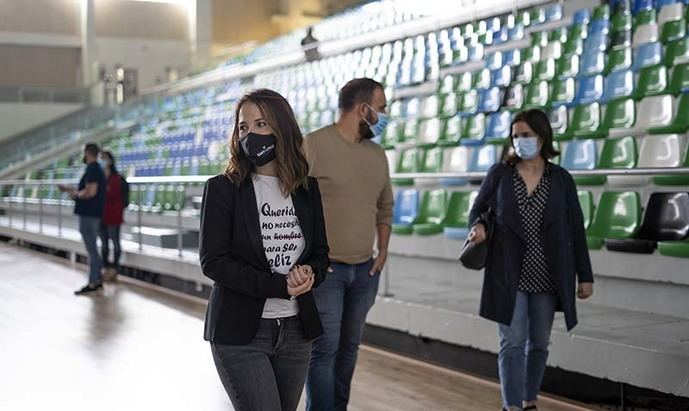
537	250
263	244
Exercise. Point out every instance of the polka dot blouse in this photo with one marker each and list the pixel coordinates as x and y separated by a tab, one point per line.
535	276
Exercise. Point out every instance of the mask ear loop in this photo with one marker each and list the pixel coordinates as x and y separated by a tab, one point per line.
364	117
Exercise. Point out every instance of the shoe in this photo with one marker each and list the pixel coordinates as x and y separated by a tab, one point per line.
88	289
110	274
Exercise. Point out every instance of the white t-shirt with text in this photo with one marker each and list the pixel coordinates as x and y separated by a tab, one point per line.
283	242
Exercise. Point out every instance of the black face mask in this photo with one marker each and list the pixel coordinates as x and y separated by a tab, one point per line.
259	148
365	131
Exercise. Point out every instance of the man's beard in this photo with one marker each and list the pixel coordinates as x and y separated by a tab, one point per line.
365	131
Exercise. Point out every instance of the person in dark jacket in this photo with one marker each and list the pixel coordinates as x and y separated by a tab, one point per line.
263	244
537	249
112	215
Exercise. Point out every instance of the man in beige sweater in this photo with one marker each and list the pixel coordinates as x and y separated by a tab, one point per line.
354	180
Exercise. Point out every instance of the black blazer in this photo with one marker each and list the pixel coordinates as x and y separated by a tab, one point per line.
564	243
231	253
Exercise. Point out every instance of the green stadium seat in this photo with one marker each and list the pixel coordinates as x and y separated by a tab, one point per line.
449	105
574	46
392	134
410	131
586	121
559	121
680	121
409	161
674	180
468	104
618	153
481	79
456	222
619	60
617	216
560	34
620	116
673	30
431	213
652	82
545	70
537	95
451	131
677	52
446	85
587	206
645	17
432	161
464	83
601	12
532	54
539	39
430	107
474	130
567	66
679	81
621	22
563	92
524	73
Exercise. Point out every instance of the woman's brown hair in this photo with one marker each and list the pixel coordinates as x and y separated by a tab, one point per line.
539	123
292	168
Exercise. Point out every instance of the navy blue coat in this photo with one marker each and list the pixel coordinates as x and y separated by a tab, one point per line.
564	243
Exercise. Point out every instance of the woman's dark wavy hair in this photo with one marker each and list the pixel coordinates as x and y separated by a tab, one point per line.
539	123
292	168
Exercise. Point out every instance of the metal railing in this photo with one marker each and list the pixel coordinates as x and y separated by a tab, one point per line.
36	94
180	185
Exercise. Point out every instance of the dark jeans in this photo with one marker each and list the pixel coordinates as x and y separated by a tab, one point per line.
268	373
112	233
343	301
524	348
89	227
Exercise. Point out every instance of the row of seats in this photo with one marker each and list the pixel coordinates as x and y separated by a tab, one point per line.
615	222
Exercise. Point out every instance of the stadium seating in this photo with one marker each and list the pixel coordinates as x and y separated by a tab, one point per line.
617	217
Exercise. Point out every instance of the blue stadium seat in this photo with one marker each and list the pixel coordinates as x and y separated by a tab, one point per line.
498	128
599	26
580	155
405	212
553	13
511	58
516	33
618	84
581	17
592	62
494	61
483	158
589	90
490	100
641	5
501	77
597	40
646	55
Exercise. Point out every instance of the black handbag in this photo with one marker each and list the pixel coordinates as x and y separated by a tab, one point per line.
474	255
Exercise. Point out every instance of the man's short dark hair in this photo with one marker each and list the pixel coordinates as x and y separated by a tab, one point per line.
92	149
357	91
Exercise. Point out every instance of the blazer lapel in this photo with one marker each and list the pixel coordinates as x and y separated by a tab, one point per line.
511	214
253	225
301	207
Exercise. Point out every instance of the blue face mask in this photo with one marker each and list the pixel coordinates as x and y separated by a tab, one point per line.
526	147
378	128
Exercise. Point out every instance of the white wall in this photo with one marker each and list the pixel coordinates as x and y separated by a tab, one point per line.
18	117
149	57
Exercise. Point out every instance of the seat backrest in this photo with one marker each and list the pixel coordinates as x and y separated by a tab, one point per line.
481	79
458	208
512	57
619	153
670	12
482	158
563	92
679	83
587	207
501	77
514	97
645	33
429	131
392	160
656	111
592	62
494	60
677	52
409	161
499	124
619	60
456	159
449	105
652	80
648	54
559	121
662	151
580	155
538	94
474	129
581	17
451	130
406	206
545	69
586	118
618	215
432	161
568	66
589	89
618	84
433	206
490	100
666	217
430	107
673	30
597	41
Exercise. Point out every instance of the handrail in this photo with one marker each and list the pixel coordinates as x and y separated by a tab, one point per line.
470	174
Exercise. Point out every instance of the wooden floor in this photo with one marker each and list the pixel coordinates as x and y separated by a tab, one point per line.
136	347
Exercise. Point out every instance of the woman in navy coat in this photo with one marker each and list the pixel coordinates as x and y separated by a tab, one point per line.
536	255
